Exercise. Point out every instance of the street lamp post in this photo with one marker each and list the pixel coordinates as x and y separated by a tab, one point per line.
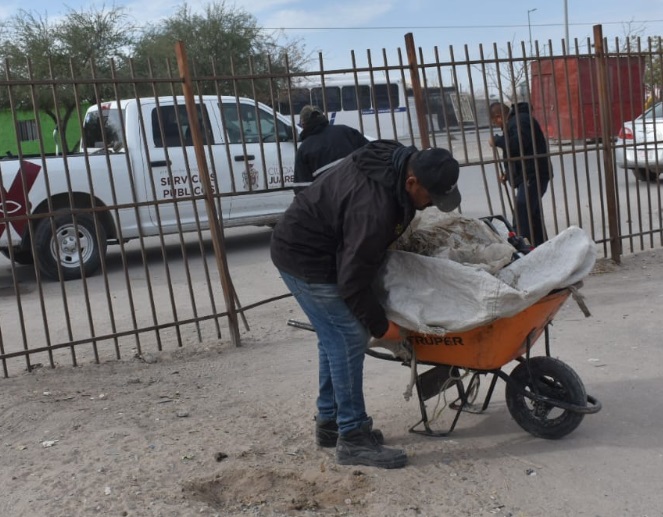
566	25
529	26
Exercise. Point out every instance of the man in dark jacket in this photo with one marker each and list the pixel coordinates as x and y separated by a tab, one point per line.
322	144
528	166
328	248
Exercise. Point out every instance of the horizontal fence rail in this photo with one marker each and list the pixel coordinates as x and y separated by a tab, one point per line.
107	246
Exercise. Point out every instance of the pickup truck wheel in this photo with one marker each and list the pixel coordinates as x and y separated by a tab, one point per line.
23	258
72	245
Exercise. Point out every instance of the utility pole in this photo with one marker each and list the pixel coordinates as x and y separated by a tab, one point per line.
566	26
529	25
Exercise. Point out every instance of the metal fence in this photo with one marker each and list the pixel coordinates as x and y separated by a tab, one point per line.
107	242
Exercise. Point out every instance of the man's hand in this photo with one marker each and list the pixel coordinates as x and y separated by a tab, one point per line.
491	141
503	178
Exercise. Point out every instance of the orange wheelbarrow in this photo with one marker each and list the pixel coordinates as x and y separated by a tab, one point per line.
543	394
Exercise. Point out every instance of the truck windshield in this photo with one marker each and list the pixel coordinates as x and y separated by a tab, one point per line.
96	128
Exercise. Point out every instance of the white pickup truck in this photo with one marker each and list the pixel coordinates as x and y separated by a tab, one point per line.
136	175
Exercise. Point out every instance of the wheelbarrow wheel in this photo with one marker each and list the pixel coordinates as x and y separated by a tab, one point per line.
549	378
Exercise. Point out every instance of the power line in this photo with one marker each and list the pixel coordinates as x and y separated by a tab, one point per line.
438	27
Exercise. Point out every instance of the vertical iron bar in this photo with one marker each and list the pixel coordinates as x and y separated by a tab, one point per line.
496	158
196	216
594	124
604	103
216	225
3	188
476	129
402	69
416	90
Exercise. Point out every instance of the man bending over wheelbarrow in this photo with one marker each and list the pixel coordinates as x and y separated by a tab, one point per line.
328	248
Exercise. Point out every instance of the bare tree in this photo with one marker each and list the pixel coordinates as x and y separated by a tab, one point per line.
223	41
506	76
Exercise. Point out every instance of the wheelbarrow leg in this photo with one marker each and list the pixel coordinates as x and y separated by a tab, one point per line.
430	384
489	395
473	390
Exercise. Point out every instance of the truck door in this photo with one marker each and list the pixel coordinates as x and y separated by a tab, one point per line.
173	170
260	146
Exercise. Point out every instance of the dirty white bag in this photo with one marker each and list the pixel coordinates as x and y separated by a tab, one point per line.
458	238
438	294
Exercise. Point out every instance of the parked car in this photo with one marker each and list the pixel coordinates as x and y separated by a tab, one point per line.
639	146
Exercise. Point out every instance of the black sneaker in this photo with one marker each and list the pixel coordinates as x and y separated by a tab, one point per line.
359	447
326	433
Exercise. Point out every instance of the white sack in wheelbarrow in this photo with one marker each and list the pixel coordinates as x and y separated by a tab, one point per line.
437	295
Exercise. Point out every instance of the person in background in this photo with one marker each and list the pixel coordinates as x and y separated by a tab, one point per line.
328	248
527	163
322	144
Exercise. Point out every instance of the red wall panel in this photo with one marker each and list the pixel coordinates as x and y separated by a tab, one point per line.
564	95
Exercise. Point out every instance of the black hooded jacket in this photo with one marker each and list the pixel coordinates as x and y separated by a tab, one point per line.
523	130
337	230
323	143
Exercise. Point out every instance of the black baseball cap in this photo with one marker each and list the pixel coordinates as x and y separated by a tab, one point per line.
437	171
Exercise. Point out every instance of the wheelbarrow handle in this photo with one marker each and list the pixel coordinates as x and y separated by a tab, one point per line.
301	325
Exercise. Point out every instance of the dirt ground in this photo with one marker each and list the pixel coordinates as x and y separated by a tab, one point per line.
216	430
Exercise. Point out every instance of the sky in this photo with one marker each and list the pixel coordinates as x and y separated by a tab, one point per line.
336	27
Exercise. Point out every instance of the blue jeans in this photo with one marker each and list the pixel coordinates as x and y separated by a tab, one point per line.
528	192
342	342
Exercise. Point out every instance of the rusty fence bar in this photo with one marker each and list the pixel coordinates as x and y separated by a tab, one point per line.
216	226
605	108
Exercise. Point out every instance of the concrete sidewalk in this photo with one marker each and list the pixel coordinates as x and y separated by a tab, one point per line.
618	353
611	465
